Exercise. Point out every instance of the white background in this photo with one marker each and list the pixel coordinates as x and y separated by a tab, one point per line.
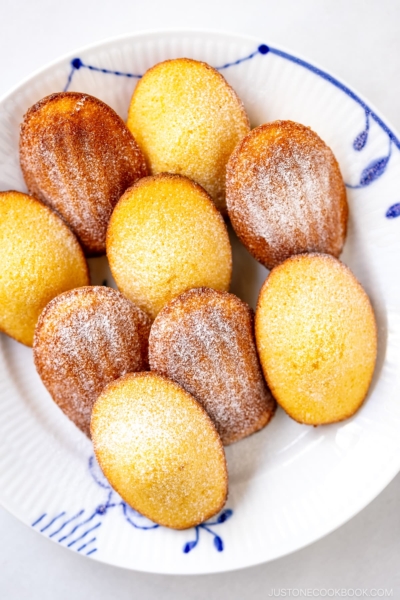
359	41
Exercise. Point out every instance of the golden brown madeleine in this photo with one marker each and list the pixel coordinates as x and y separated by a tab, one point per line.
204	341
78	156
39	258
187	120
83	340
159	450
317	338
165	237
285	193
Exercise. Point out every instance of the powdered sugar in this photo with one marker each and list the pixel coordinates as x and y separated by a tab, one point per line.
85	339
204	341
78	156
285	194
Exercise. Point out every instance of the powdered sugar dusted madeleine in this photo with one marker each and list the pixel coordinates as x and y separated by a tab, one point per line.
204	341
165	237
187	119
285	193
39	258
317	338
159	450
83	340
78	156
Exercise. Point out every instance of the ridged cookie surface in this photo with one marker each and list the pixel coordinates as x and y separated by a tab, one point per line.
165	237
78	156
317	338
85	339
39	258
204	341
285	193
187	119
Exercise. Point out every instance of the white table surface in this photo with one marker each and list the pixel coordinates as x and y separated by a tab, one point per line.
359	41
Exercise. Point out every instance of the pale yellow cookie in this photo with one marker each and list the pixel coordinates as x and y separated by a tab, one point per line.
40	258
317	338
187	119
78	156
159	450
165	237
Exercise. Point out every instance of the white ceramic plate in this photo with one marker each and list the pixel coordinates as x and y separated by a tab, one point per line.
289	484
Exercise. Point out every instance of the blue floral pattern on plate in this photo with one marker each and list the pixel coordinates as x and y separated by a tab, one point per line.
76	531
373	171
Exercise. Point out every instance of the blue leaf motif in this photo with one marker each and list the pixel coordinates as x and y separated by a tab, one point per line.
374	170
189	546
225	515
362	137
393	211
360	140
218	543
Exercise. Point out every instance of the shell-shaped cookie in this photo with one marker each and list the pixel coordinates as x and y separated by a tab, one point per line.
39	258
317	338
78	156
159	450
165	237
85	339
285	193
187	119
204	341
